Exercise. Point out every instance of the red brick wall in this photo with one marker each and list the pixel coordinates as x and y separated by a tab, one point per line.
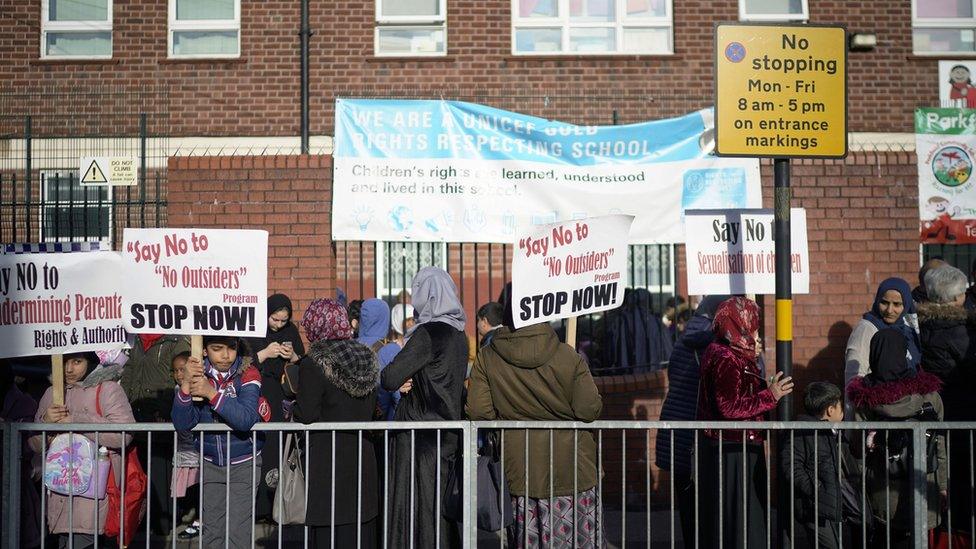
288	196
258	94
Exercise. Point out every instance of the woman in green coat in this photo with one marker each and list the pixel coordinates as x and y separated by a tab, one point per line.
527	374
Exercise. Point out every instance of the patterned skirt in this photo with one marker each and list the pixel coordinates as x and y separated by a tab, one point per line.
546	522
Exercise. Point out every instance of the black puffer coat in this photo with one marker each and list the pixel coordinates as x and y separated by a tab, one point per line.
681	403
948	354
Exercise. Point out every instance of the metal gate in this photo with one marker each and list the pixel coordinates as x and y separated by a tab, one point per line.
44	133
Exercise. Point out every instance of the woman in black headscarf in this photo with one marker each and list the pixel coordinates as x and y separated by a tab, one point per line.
894	391
282	345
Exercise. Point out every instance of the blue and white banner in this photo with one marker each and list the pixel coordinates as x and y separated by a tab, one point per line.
461	172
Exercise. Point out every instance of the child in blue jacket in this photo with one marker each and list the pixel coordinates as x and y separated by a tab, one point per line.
231	393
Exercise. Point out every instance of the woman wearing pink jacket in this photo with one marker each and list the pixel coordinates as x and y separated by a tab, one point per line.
81	404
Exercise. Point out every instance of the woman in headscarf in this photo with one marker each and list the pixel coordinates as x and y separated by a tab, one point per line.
894	391
280	346
524	375
435	359
734	388
336	382
893	308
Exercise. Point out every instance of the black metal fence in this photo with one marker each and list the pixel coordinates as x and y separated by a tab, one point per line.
48	130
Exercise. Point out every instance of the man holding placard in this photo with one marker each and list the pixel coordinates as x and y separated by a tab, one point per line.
210	284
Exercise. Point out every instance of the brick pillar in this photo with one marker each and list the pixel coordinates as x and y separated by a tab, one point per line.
288	196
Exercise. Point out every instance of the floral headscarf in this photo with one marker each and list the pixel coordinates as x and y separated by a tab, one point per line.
326	319
735	321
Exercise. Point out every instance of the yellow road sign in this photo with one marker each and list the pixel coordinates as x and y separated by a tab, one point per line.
781	91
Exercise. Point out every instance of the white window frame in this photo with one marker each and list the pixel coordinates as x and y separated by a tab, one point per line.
941	23
805	16
45	205
408	22
668	271
203	25
379	258
74	26
621	22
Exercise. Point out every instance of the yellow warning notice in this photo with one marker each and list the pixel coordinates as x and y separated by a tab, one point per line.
108	170
781	91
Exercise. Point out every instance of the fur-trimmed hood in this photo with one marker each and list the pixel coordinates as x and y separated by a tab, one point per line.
348	364
946	313
861	395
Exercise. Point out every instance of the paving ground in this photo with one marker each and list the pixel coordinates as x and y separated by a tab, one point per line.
636	524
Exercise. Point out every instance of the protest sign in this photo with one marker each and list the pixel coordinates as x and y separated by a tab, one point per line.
195	281
733	252
462	172
945	145
569	269
55	303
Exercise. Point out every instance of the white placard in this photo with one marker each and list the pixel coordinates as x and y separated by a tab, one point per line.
55	303
108	170
569	269
195	281
733	252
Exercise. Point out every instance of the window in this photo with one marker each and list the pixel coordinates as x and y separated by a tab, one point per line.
411	27
398	262
72	212
204	28
773	10
650	266
943	26
76	29
581	27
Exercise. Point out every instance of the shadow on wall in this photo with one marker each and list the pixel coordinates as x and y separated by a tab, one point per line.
827	365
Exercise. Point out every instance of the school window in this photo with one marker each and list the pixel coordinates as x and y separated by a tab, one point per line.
944	26
411	28
204	29
650	266
71	212
591	27
76	29
398	262
773	10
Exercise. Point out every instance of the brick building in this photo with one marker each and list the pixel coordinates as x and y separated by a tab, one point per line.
217	83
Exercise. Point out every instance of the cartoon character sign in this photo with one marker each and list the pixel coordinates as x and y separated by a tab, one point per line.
956	84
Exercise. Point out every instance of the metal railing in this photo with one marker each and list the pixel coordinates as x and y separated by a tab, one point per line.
618	505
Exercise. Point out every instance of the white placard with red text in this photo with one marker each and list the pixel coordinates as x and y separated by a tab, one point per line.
195	281
733	252
568	269
55	303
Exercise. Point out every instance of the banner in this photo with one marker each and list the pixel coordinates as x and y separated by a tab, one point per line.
55	303
945	145
733	252
569	269
195	281
461	172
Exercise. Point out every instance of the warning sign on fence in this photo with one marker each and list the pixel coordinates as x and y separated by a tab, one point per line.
108	170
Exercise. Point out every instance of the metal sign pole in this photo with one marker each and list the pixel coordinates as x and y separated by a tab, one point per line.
784	279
